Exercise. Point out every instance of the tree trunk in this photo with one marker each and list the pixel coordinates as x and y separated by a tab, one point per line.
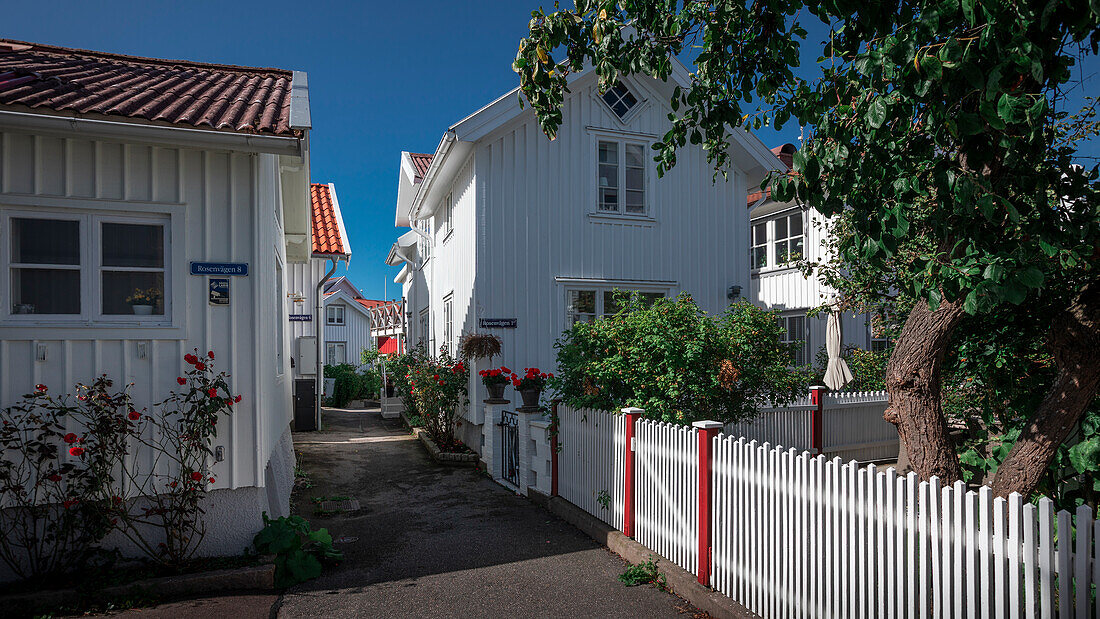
1075	341
913	381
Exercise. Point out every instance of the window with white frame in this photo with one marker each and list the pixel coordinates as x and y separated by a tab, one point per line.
336	353
880	340
423	244
621	177
424	323
793	331
87	266
334	315
777	242
619	99
586	304
447	225
448	322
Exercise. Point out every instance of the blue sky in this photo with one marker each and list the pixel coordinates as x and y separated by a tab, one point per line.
384	77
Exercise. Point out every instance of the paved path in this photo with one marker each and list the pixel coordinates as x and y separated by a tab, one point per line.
446	542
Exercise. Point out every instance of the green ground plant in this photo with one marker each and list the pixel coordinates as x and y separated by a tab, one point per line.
645	573
300	552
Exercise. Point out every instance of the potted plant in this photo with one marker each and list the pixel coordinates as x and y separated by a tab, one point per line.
495	381
143	301
530	386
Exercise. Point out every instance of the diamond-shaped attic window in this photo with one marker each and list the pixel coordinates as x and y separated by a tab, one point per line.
619	99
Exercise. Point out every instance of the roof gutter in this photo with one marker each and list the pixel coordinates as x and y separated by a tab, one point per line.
65	126
445	145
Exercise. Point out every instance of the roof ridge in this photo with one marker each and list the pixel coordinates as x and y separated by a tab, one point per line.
137	60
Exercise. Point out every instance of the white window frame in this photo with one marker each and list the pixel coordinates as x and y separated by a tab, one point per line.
600	288
331	320
801	356
621	144
91	264
449	322
447	216
425	326
423	244
330	352
638	100
770	244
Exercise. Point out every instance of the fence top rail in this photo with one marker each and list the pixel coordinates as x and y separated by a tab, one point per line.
856	397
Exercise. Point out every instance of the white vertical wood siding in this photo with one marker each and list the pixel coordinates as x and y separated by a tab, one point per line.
302	280
355	331
592	460
228	202
533	225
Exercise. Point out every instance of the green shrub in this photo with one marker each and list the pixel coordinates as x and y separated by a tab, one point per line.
868	368
677	362
349	384
299	552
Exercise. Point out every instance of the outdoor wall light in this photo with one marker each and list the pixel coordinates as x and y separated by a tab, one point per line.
733	293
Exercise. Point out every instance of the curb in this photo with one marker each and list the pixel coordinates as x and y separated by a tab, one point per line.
680	581
258	577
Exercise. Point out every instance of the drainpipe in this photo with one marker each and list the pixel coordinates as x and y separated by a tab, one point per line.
319	311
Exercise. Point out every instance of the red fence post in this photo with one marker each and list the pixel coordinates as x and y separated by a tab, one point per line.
554	448
707	430
632	416
817	398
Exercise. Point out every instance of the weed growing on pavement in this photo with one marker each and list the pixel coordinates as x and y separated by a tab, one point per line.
645	573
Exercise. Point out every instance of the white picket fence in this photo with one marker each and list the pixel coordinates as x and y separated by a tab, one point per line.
591	461
852	426
799	536
667	486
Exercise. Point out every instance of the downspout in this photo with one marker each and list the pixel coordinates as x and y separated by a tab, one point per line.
318	311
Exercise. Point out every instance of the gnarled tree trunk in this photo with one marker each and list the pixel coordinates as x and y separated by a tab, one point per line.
1075	341
913	381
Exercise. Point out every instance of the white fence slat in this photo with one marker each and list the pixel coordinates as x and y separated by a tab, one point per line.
1000	595
1062	565
1030	553
985	516
1081	562
958	541
973	584
1046	558
1015	512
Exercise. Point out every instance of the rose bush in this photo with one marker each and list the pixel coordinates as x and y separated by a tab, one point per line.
438	387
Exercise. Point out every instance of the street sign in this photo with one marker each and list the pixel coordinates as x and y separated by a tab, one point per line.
496	323
219	268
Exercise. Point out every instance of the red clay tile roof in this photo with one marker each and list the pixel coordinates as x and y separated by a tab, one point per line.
785	153
421	161
178	92
369	303
327	226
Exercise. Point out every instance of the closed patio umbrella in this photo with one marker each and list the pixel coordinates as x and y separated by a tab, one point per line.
837	373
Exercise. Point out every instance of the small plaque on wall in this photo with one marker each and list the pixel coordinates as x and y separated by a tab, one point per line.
219	291
496	323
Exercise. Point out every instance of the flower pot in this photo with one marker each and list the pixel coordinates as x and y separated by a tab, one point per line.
531	397
142	310
496	390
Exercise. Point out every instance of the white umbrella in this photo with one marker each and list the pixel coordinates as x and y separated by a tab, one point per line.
837	373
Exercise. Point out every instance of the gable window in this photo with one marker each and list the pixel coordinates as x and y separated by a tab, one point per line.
336	353
621	177
334	315
777	242
87	266
620	99
793	331
448	322
585	305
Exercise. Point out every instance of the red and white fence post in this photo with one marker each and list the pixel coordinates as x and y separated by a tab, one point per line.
707	430
632	416
817	399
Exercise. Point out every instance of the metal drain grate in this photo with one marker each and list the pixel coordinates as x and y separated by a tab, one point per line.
347	505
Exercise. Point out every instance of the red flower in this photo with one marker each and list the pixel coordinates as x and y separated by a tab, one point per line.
69	503
172	485
192	359
71	438
40	388
515	383
210	354
200	366
134	415
76	451
116	499
212	480
181	380
54	477
196	476
551	375
237	399
505	370
212	392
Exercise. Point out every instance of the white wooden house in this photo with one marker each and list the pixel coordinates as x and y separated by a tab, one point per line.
782	233
521	236
331	248
120	173
347	322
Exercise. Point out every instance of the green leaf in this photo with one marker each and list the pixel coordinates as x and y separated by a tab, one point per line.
970	305
969	124
876	114
994	272
1031	277
1085	456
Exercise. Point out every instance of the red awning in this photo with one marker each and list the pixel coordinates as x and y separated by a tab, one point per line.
387	345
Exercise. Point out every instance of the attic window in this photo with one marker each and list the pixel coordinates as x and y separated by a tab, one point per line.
619	99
